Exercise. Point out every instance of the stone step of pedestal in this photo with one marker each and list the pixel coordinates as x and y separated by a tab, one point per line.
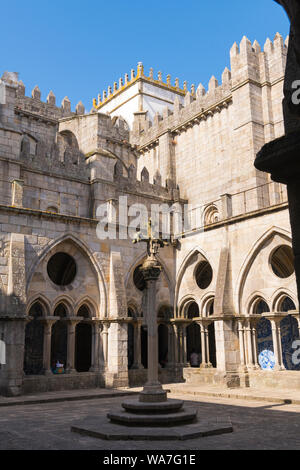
137	407
171	419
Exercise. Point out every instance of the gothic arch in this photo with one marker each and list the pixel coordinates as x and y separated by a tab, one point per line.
205	302
81	246
41	299
279	296
185	263
250	258
87	301
67	302
185	303
255	299
140	260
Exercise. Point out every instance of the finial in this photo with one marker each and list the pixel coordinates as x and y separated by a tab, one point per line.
177	83
51	99
132	74
99	99
36	93
185	86
169	80
126	79
140	69
109	91
159	76
115	86
21	89
104	95
66	104
200	90
256	47
151	73
193	89
80	109
120	83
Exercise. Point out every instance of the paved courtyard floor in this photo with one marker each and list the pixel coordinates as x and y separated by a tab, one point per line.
46	426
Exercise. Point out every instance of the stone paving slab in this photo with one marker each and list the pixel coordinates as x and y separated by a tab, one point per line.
70	395
46	426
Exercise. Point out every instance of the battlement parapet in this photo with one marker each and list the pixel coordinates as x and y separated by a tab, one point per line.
196	107
49	109
248	64
249	61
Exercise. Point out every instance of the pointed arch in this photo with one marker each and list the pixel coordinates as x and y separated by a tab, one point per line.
66	301
145	175
188	258
252	254
83	247
41	299
89	303
279	297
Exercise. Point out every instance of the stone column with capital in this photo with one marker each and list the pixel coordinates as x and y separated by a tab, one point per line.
254	342
71	322
276	335
48	323
104	335
97	328
153	390
242	345
249	345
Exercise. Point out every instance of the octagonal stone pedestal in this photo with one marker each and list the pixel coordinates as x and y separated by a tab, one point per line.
169	420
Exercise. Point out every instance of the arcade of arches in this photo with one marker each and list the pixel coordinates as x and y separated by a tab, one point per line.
65	339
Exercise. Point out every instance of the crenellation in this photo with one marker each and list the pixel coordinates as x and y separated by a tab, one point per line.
200	91
66	106
51	99
256	47
212	84
36	93
21	89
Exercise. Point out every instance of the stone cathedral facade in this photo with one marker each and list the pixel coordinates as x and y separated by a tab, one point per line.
72	304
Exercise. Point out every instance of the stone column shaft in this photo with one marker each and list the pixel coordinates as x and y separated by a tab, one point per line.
137	363
242	343
48	323
277	344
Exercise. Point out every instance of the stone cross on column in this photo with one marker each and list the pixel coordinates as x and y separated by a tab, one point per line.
151	269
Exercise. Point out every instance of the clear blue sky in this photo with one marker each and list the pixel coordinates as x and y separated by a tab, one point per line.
78	48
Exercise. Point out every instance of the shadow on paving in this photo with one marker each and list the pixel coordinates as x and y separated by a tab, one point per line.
257	425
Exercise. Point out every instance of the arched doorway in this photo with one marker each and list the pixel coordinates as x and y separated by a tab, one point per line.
289	334
59	337
193	334
266	357
83	343
34	342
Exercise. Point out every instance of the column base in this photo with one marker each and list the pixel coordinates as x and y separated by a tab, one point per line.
137	367
206	366
71	371
153	393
